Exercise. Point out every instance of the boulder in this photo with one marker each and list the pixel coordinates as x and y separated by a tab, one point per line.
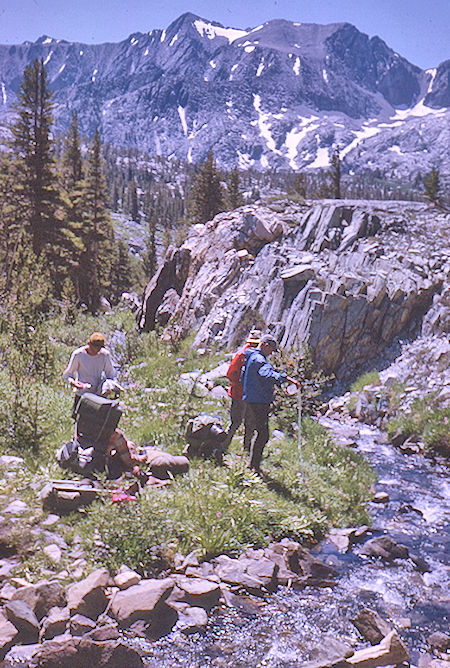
81	652
439	641
140	600
234	573
126	579
298	560
192	620
79	625
55	623
385	548
331	652
390	652
22	616
88	597
8	636
197	592
371	626
41	597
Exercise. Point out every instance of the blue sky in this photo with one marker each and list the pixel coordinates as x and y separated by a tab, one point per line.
417	29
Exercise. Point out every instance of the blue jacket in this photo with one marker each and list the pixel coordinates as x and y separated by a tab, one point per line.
259	377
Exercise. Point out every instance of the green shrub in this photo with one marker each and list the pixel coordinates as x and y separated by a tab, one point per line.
424	422
370	378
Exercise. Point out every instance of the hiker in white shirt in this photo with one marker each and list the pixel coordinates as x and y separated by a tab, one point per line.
90	366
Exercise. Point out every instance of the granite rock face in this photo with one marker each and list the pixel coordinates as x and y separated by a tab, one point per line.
347	278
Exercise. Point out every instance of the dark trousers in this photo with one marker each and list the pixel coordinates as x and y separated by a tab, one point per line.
237	415
256	420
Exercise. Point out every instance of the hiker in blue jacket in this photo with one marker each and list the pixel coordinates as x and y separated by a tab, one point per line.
259	380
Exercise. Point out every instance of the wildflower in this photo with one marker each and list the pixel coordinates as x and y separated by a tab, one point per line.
218	514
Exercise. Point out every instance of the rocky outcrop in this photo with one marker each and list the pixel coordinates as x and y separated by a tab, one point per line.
346	278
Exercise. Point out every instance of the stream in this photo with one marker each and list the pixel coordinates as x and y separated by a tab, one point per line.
282	629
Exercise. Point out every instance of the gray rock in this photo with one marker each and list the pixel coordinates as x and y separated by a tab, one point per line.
54	624
22	616
234	572
197	592
192	620
347	305
79	625
8	636
140	601
385	548
53	552
127	579
389	652
371	626
16	507
332	652
20	655
75	652
380	497
88	596
41	597
440	641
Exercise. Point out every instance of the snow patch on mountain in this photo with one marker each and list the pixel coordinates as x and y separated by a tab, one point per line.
182	115
322	158
264	125
361	135
211	31
420	109
296	135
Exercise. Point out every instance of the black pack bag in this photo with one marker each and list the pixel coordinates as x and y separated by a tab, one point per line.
205	437
96	419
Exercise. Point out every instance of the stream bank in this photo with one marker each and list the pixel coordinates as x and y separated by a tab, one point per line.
412	597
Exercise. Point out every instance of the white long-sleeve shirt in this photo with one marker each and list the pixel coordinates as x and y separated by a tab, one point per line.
92	369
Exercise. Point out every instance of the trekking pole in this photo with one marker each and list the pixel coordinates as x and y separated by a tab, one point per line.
299	405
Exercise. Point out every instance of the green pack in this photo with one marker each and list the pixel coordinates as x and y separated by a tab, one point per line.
96	418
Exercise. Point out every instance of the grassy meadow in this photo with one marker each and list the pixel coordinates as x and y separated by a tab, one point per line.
212	509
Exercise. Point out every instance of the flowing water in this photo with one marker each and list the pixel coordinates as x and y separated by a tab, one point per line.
281	630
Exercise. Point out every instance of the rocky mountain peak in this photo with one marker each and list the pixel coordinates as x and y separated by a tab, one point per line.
279	95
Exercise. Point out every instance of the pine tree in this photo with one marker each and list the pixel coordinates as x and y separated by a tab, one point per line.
299	185
234	197
432	184
207	197
133	205
73	199
72	159
335	173
122	277
13	223
33	148
150	257
97	234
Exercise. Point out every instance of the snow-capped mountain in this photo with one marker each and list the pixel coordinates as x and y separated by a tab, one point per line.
280	95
